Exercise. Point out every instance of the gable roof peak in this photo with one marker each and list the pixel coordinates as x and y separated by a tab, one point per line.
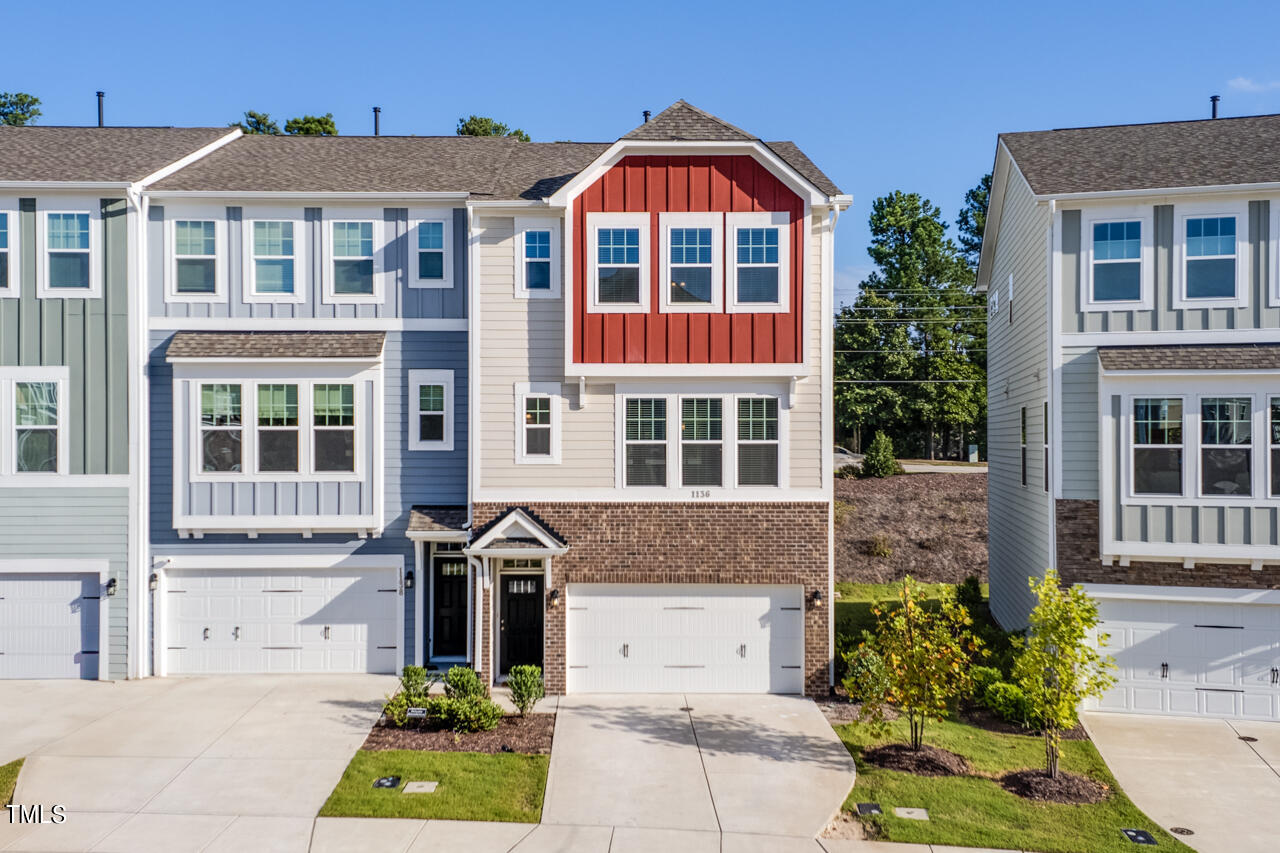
682	121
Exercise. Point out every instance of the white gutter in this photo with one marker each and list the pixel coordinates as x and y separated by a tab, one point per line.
67	185
1265	187
325	196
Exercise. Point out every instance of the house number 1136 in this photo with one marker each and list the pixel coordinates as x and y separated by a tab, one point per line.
700	493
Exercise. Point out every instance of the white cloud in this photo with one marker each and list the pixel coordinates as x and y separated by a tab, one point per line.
1248	84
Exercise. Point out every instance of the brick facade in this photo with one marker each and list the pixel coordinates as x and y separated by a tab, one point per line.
1078	559
731	543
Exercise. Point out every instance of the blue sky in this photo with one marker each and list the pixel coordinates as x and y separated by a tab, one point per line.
882	96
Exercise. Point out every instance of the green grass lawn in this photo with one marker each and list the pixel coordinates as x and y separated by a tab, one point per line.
473	786
977	812
9	780
853	607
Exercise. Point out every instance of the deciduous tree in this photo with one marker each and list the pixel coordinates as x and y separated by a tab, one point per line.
484	126
18	108
311	126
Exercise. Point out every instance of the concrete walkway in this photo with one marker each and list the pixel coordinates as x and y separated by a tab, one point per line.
1198	774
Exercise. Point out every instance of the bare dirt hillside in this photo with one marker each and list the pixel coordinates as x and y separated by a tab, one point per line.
930	526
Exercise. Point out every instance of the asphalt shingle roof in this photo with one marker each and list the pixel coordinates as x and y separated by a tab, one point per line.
533	516
684	121
276	345
1192	357
108	154
437	518
1210	152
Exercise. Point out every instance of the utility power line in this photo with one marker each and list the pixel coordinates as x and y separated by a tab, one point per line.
922	352
907	381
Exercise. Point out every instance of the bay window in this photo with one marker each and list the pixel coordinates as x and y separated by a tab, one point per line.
220	428
1157	446
701	441
758	441
1226	438
277	427
645	441
333	432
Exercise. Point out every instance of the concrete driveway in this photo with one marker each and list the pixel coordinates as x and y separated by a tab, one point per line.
234	763
1198	774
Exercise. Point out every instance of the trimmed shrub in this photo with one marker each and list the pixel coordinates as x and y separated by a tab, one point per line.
983	677
526	687
461	682
397	709
1008	702
413	680
469	714
880	460
865	673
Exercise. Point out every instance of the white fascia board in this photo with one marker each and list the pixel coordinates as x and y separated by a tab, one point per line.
724	495
516	553
501	530
1190	594
256	195
438	535
304	324
999	178
1099	195
183	162
690	370
522	205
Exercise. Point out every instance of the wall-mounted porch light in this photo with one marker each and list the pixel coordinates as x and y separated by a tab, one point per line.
816	599
153	583
555	598
408	579
111	586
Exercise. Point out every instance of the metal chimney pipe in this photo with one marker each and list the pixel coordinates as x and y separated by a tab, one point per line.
1213	100
100	95
646	116
377	115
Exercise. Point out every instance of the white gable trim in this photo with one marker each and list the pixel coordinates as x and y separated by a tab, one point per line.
516	524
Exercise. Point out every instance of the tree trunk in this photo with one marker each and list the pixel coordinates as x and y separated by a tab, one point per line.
931	437
1050	754
917	730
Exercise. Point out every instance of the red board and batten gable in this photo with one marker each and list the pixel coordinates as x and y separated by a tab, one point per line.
720	183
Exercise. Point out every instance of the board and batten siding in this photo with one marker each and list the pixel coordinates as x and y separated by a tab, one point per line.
1019	526
1079	411
1258	314
400	300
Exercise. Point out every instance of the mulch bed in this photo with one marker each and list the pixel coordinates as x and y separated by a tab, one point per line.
530	735
982	718
1068	788
925	761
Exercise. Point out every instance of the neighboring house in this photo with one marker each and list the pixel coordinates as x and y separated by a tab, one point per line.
71	526
1134	399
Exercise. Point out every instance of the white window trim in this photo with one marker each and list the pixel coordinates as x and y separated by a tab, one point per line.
1267	444
669	221
596	221
365	426
1146	258
92	207
782	462
1252	446
9	378
782	221
216	215
418	378
328	280
249	281
416	218
1273	235
624	443
552	391
523	224
726	419
1238	210
1187	447
12	289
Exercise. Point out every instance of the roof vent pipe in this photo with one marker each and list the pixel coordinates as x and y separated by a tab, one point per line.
646	116
377	114
1213	101
100	95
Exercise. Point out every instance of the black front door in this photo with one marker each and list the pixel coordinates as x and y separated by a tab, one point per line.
449	607
520	622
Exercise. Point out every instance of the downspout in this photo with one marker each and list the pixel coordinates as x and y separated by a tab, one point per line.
1053	384
477	570
139	650
473	366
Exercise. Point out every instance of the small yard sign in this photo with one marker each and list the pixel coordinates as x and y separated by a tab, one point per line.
417	713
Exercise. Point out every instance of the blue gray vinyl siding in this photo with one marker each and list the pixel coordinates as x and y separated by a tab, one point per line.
1079	408
71	524
1162	317
400	300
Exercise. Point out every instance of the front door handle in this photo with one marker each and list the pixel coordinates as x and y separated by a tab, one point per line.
326	632
206	633
626	650
235	634
1164	670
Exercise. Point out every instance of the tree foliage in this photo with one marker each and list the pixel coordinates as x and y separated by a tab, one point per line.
926	654
18	108
880	460
1056	665
973	220
311	126
258	124
484	126
911	348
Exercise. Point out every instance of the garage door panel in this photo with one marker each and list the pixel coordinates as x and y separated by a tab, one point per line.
49	625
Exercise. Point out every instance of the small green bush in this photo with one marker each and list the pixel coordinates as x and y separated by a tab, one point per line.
880	460
845	643
983	677
461	682
526	687
1008	702
397	709
470	714
865	673
969	595
879	546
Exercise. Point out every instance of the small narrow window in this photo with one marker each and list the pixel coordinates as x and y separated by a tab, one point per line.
431	409
758	441
1226	439
334	414
277	428
691	266
1024	445
1046	446
537	425
195	257
68	245
618	266
1211	258
1117	261
4	250
431	267
430	413
36	422
352	258
220	428
645	440
1157	446
758	271
537	259
1275	447
273	258
701	442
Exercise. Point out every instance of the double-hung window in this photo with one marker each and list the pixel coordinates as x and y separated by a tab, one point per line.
537	422
68	268
9	280
274	250
692	261
759	252
1274	443
645	440
757	441
195	257
431	410
431	261
1226	439
537	258
537	425
277	434
351	261
1157	446
36	427
334	422
701	441
1209	261
618	256
1117	261
221	428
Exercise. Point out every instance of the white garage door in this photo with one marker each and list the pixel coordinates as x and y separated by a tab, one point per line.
242	621
1213	660
651	638
49	625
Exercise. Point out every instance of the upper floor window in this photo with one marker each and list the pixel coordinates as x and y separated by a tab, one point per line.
273	252
702	441
221	427
537	250
1226	439
1209	256
334	434
759	252
9	283
195	257
36	427
68	269
692	269
431	412
1157	446
758	441
278	426
618	257
537	422
352	260
431	245
1117	261
645	441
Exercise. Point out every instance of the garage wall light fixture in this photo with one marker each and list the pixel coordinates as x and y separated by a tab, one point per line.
153	583
555	597
816	599
111	587
408	579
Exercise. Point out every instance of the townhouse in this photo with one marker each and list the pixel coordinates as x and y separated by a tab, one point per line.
1134	331
454	400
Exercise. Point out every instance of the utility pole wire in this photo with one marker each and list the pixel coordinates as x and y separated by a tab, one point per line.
907	381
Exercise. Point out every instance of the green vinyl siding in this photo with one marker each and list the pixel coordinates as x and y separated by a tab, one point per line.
89	336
